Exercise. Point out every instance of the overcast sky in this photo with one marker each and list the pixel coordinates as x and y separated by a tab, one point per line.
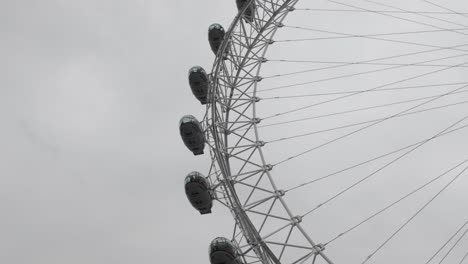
92	165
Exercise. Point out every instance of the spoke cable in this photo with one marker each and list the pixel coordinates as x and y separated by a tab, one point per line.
423	15
364	35
363	109
396	202
359	73
363	91
369	160
359	62
355	91
360	129
464	257
397	17
447	9
370	63
453	246
366	61
446	243
414	216
363	122
393	161
380	11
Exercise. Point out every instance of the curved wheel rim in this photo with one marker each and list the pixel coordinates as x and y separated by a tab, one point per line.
233	78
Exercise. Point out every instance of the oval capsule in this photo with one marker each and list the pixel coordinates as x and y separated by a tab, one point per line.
199	83
192	134
216	35
198	192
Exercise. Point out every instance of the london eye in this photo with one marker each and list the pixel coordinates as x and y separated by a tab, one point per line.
337	132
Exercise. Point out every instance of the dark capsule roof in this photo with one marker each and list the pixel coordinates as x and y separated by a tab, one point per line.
196	176
188	119
222	244
197	69
215	26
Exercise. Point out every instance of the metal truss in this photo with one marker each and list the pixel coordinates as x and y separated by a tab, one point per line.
242	179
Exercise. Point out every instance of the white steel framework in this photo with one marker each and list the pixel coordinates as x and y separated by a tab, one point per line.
239	171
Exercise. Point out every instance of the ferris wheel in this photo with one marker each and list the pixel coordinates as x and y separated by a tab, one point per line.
337	130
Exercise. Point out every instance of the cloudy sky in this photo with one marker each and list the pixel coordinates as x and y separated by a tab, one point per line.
92	164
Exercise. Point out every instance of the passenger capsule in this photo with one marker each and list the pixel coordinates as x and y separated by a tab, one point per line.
197	190
198	80
215	37
250	12
223	251
192	134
